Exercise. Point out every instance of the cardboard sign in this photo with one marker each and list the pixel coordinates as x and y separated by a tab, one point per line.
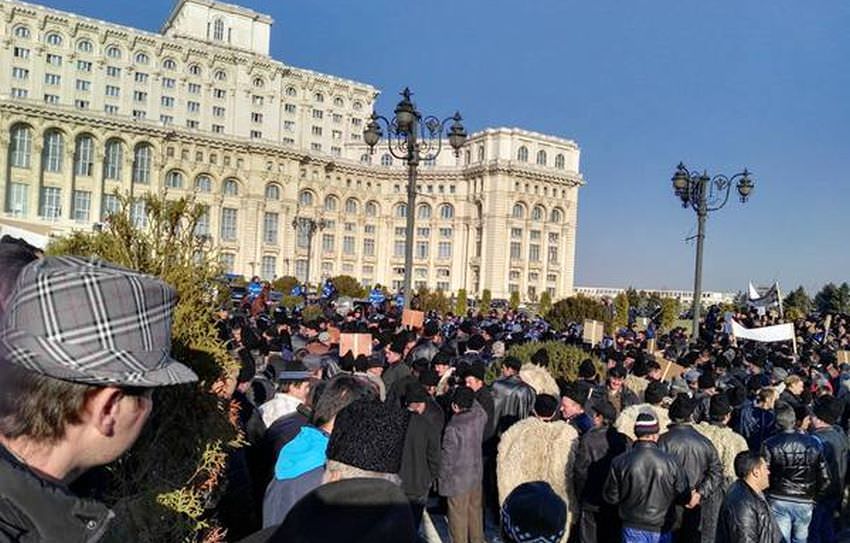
671	370
333	333
413	318
356	344
844	357
592	331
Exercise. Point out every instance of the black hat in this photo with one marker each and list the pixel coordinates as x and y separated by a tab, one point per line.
513	363
363	510
541	357
617	371
441	358
828	409
398	343
646	424
706	380
682	408
375	361
718	407
414	392
429	378
476	370
294	370
604	408
369	435
463	397
533	512
545	405
431	329
571	391
475	343
655	392
587	369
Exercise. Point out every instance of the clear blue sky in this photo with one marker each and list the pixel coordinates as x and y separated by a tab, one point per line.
640	85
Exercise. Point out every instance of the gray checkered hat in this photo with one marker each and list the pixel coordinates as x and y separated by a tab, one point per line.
92	322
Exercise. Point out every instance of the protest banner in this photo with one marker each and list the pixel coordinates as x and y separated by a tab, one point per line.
356	344
412	318
592	331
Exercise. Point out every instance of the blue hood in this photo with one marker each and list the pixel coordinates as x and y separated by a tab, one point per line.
304	453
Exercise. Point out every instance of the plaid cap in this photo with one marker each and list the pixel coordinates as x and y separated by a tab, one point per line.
88	321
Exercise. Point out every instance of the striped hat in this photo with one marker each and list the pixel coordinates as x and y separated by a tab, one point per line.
646	424
88	321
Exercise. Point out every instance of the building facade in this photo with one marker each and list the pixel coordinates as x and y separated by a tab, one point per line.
89	109
683	296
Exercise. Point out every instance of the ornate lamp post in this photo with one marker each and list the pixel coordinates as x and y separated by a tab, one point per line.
412	138
705	194
308	225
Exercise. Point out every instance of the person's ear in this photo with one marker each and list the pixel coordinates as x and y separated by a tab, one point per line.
103	406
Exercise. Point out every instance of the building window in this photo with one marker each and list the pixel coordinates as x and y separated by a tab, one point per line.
256	135
444	250
537	213
21	52
218	30
142	58
553	254
231	187
167	101
289	108
516	233
203	183
398	248
81	104
386	160
52	80
421	250
228	262
522	154
22	32
447	211
518	211
535	235
423	232
113	52
423	212
51	98
20	93
84	156
54	39
351	206
141	77
82	205
54	145
193	107
401	211
21	146
534	253
85	46
368	247
228	224
330	203
559	162
83	66
328	243
20	73
557	216
259	83
516	250
112	160
111	205
270	221
268	267
53	60
83	85
256	117
113	71
348	245
112	90
18	199
202	226
142	163
272	192
174	180
220	75
194	88
51	202
316	130
371	209
305	198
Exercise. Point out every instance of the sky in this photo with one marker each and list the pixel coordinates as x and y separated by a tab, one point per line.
640	85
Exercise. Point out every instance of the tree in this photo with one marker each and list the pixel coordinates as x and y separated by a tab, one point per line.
284	284
486	298
348	286
460	304
669	312
514	301
433	301
164	484
564	360
798	300
633	297
575	309
833	299
621	310
545	303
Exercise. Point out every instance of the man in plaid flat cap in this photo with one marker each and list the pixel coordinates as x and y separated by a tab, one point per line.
82	346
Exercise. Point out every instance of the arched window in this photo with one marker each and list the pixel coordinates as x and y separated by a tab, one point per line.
142	155
401	210
169	64
518	211
290	91
365	158
386	159
113	51
480	153
371	209
305	198
142	58
218	30
423	211
272	192
220	75
21	146
203	183
22	32
357	106
84	156
54	38
556	216
319	97
537	213
541	157
85	46
113	159
259	82
194	69
54	144
231	187
339	102
559	161
447	211
330	202
351	205
174	179
522	154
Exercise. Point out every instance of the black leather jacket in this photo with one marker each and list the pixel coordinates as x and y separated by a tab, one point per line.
697	455
425	348
836	451
645	483
512	401
798	469
34	510
745	517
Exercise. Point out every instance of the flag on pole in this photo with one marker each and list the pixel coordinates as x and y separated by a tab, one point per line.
763	298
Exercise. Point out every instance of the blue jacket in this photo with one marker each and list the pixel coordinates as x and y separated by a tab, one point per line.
376	297
299	469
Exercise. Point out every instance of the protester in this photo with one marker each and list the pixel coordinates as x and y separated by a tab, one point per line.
512	398
745	516
293	391
533	512
725	440
420	463
836	449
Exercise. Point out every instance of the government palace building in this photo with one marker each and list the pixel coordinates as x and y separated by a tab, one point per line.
91	109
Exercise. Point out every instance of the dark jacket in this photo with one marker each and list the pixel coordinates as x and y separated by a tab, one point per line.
798	470
424	348
596	449
461	465
696	455
626	397
35	510
512	401
395	372
485	399
755	424
745	517
420	459
645	483
836	450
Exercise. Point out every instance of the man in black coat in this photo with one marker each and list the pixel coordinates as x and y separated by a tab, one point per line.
827	412
699	458
598	520
512	398
420	461
745	516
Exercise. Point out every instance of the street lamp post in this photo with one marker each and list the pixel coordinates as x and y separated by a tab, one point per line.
705	194
412	138
308	225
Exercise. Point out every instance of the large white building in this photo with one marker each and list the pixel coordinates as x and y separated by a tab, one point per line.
88	108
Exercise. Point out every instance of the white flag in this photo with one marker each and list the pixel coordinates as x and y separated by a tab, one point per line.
767	334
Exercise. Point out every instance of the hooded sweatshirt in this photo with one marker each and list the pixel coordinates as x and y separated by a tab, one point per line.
299	469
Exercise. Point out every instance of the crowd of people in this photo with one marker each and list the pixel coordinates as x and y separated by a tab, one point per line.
735	442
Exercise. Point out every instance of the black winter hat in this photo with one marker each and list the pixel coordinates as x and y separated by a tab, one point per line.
646	424
617	371
541	357
655	392
572	391
429	378
533	512
475	343
398	343
545	405
682	408
604	408
718	407
414	392
369	435
513	363
828	409
476	370
587	370
431	329
706	381
463	397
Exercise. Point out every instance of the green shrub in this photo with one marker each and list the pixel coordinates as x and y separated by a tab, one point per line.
514	301
545	303
621	310
564	360
575	309
460	304
311	313
348	286
284	284
486	298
